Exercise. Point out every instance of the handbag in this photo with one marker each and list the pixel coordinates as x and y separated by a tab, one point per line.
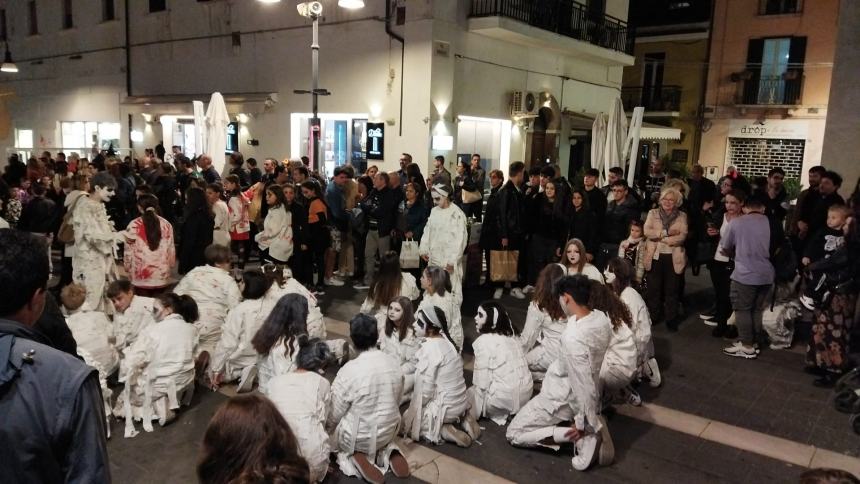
503	265
470	196
409	258
66	233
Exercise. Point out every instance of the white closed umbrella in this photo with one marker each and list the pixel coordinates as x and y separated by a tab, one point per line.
598	141
199	127
616	136
216	131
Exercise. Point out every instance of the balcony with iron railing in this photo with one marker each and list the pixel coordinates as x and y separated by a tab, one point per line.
660	99
566	18
784	90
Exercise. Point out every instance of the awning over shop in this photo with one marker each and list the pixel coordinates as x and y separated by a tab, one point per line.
254	102
660	132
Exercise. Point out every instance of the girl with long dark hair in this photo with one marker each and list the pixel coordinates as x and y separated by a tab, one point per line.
196	232
553	213
501	381
545	322
319	237
276	239
248	441
388	284
464	182
279	339
436	283
149	250
398	340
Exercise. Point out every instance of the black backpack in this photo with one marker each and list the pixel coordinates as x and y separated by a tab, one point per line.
784	261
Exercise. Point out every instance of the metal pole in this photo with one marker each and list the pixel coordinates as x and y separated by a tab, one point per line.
315	74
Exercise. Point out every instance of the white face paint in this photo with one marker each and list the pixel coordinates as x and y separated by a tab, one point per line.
419	329
395	312
609	276
105	193
480	319
159	312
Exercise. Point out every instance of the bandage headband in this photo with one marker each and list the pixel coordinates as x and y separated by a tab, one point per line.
441	190
430	317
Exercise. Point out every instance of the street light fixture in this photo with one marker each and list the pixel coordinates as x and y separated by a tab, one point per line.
8	64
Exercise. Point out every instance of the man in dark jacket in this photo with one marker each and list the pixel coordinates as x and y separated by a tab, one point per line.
775	202
511	220
596	198
616	222
699	201
381	209
53	426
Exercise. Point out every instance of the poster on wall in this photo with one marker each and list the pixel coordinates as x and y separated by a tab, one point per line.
375	148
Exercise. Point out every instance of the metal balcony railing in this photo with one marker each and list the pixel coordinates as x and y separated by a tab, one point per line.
564	17
772	90
662	98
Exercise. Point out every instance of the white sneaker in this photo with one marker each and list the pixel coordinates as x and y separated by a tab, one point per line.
585	452
529	289
333	282
740	351
654	377
807	302
246	383
517	293
361	287
497	294
709	322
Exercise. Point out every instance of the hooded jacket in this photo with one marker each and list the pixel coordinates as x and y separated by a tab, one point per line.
53	414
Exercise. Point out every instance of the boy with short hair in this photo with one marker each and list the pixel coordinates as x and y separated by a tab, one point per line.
133	313
92	330
824	274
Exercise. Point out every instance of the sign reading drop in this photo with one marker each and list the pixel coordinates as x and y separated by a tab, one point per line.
375	146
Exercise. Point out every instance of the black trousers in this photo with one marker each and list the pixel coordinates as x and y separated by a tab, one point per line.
721	279
662	295
541	252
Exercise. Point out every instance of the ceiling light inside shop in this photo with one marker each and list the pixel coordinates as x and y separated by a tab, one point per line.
269	1
350	4
8	65
136	136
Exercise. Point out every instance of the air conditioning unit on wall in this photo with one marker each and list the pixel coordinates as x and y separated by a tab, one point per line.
524	104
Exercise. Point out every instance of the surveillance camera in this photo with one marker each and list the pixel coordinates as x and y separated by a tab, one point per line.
310	9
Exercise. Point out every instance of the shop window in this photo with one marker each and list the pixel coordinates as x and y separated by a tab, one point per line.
68	17
81	135
32	19
779	7
157	6
24	138
108	10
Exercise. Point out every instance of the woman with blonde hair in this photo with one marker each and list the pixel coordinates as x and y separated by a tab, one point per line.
665	258
573	261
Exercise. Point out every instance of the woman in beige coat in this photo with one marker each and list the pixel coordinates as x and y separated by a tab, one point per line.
665	259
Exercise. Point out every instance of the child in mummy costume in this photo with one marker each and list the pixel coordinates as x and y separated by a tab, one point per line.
620	276
158	369
438	292
439	404
284	283
278	341
501	382
132	315
96	239
303	397
235	357
571	388
398	340
365	400
215	292
389	283
545	322
443	243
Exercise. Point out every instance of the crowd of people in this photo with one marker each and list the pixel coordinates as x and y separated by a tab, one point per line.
157	295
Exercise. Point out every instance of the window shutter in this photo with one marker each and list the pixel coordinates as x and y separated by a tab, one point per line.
796	58
754	55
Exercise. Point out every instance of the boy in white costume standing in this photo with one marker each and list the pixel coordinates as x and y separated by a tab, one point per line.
365	414
94	261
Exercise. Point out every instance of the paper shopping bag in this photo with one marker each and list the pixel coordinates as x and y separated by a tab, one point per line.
409	255
503	265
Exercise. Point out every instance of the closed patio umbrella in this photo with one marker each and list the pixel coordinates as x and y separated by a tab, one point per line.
216	131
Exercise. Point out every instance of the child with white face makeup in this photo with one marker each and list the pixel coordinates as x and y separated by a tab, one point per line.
573	259
399	341
501	383
439	409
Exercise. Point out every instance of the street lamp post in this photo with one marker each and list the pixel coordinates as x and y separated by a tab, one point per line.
313	11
